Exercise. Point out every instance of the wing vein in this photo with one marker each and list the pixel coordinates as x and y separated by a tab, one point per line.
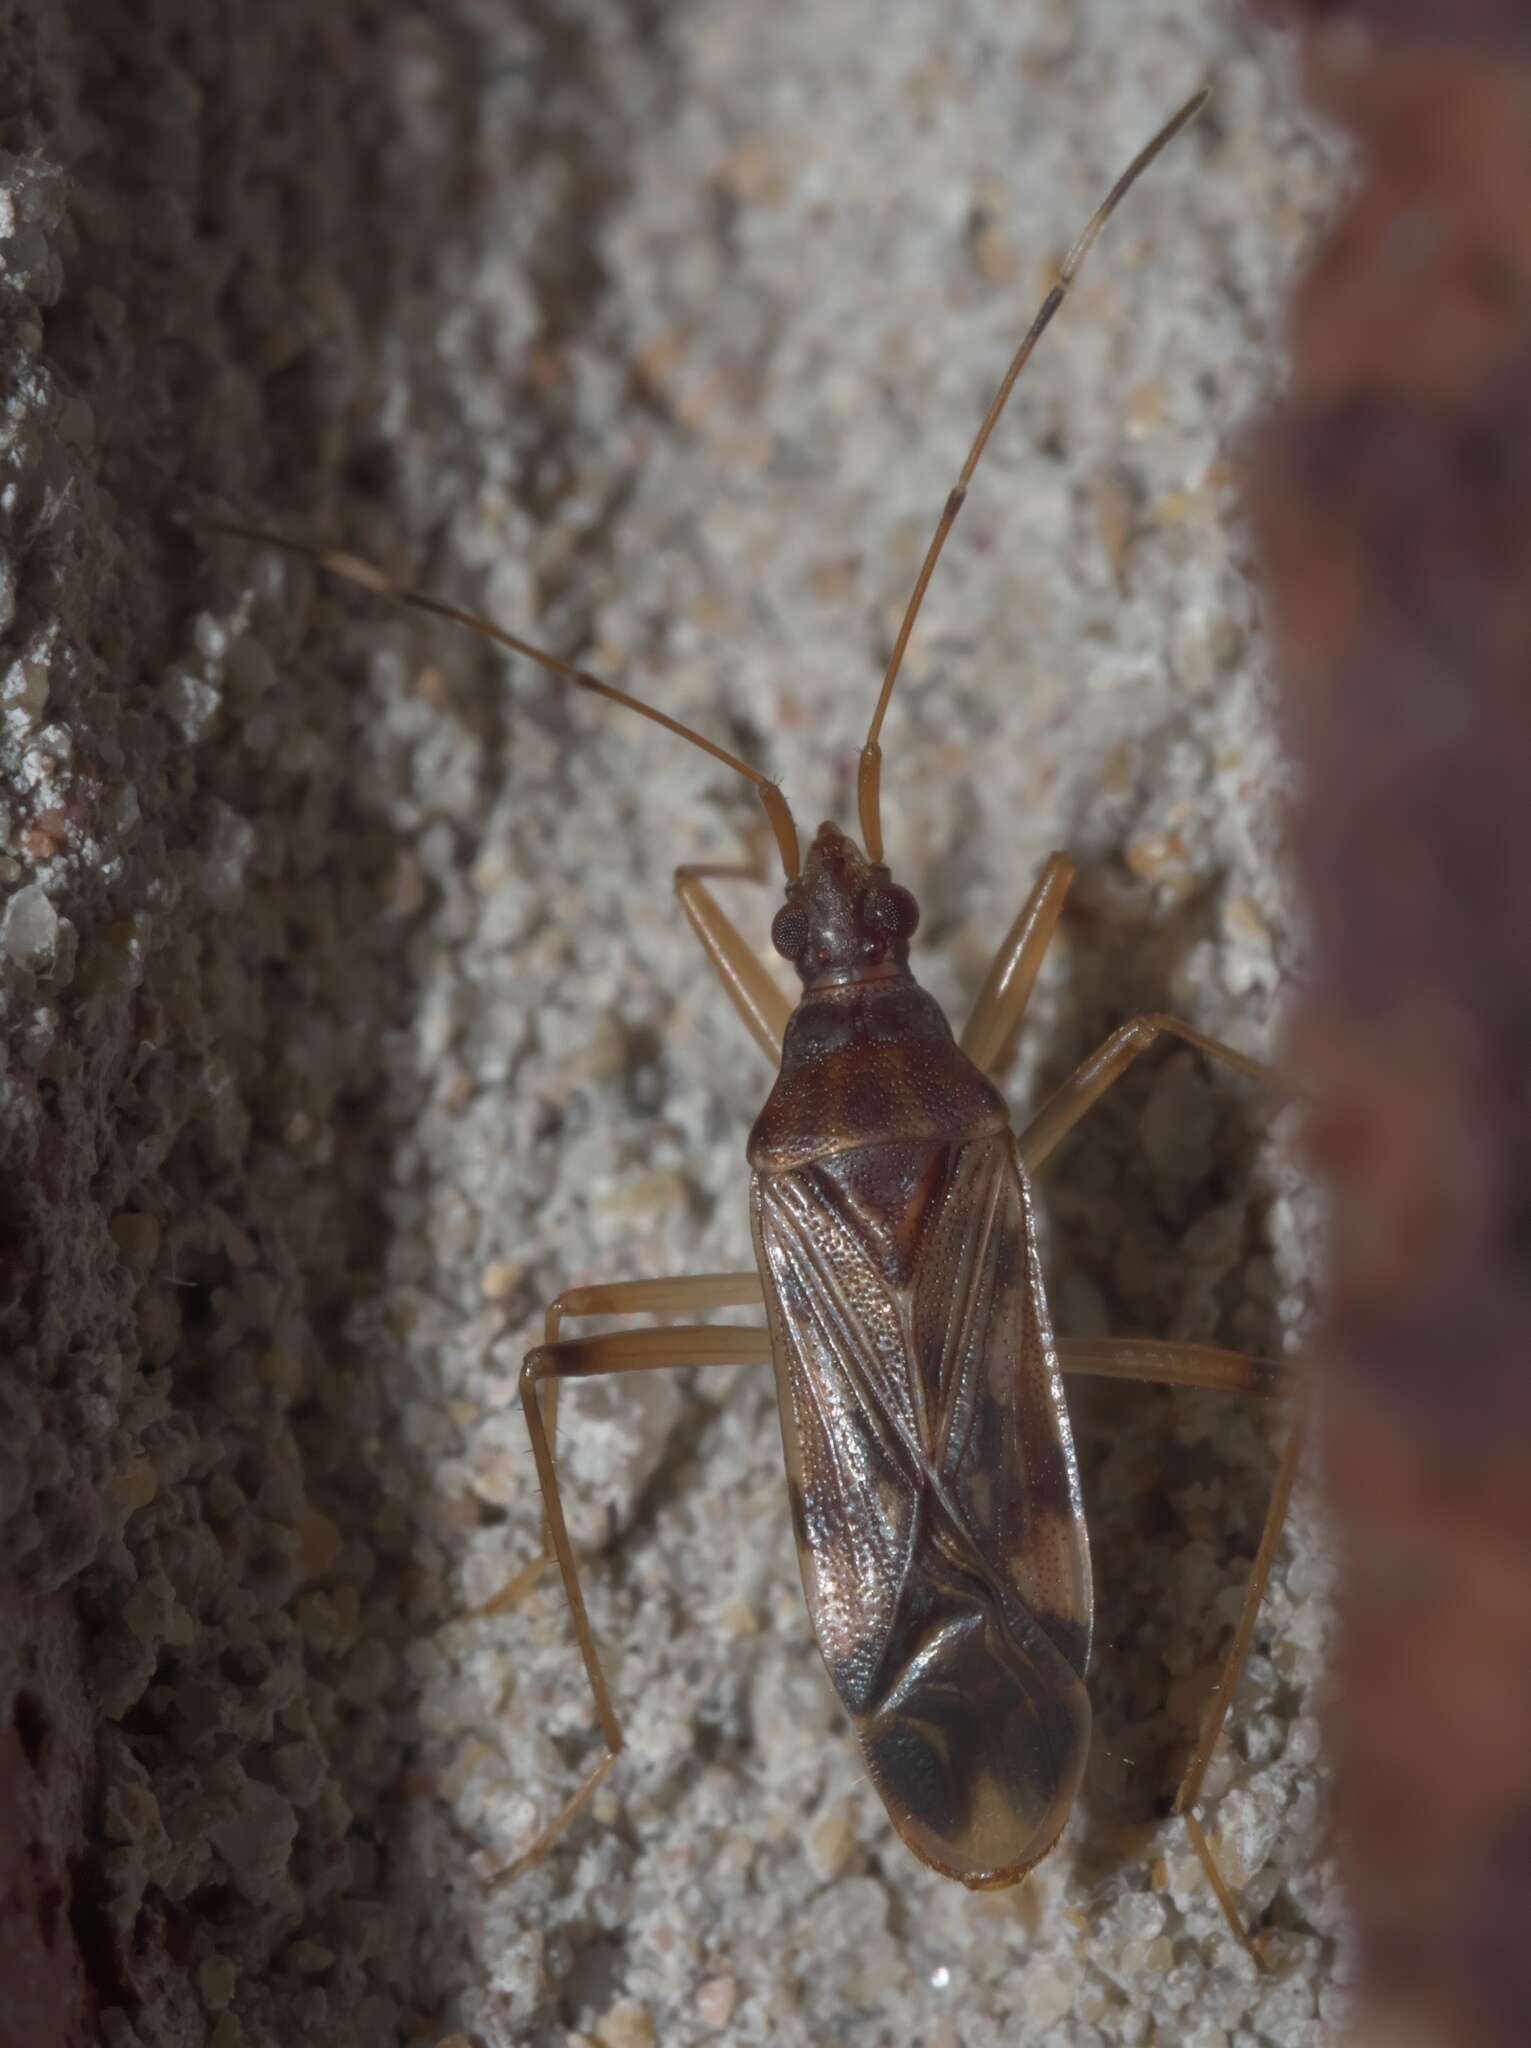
970	1296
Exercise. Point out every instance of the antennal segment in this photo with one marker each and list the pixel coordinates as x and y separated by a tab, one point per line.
354	570
869	777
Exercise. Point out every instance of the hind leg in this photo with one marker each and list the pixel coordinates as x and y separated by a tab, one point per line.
1199	1365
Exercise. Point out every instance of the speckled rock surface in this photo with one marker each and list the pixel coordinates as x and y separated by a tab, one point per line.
349	1014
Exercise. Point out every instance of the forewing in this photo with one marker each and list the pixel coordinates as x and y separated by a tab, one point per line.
934	1493
847	1422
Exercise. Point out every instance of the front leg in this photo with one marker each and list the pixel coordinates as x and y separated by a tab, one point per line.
990	1030
1092	1077
745	977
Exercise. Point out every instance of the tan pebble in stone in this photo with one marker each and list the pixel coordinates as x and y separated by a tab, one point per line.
216	1978
754	173
715	2001
1145	407
318	1543
1156	856
137	1238
651	1194
501	1278
740	1619
996	254
309	1958
627	2025
831	1844
135	1485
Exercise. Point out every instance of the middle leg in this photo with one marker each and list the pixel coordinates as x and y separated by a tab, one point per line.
684	1295
1160	1364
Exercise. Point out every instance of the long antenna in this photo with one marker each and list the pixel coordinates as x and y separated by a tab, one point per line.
869	777
354	570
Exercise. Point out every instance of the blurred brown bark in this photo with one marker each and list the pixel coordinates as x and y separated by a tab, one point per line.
1394	503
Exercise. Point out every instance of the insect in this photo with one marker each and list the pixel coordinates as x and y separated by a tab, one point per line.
934	1489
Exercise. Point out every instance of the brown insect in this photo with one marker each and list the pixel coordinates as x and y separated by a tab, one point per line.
934	1489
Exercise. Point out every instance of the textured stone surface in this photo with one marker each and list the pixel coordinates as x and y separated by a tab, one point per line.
349	1015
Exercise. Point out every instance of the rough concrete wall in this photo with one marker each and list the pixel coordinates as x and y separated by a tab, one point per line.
349	1014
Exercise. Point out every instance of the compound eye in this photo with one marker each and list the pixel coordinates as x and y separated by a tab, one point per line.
789	930
891	912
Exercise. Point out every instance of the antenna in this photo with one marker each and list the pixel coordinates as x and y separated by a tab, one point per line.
354	570
869	776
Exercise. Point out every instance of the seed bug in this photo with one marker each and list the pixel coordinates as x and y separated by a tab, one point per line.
934	1489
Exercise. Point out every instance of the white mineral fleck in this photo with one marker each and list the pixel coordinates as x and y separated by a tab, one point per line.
30	929
191	701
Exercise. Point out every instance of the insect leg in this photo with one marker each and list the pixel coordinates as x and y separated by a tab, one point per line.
689	1292
744	975
1200	1365
588	1357
1092	1077
1175	1365
621	1297
1238	1652
991	1029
